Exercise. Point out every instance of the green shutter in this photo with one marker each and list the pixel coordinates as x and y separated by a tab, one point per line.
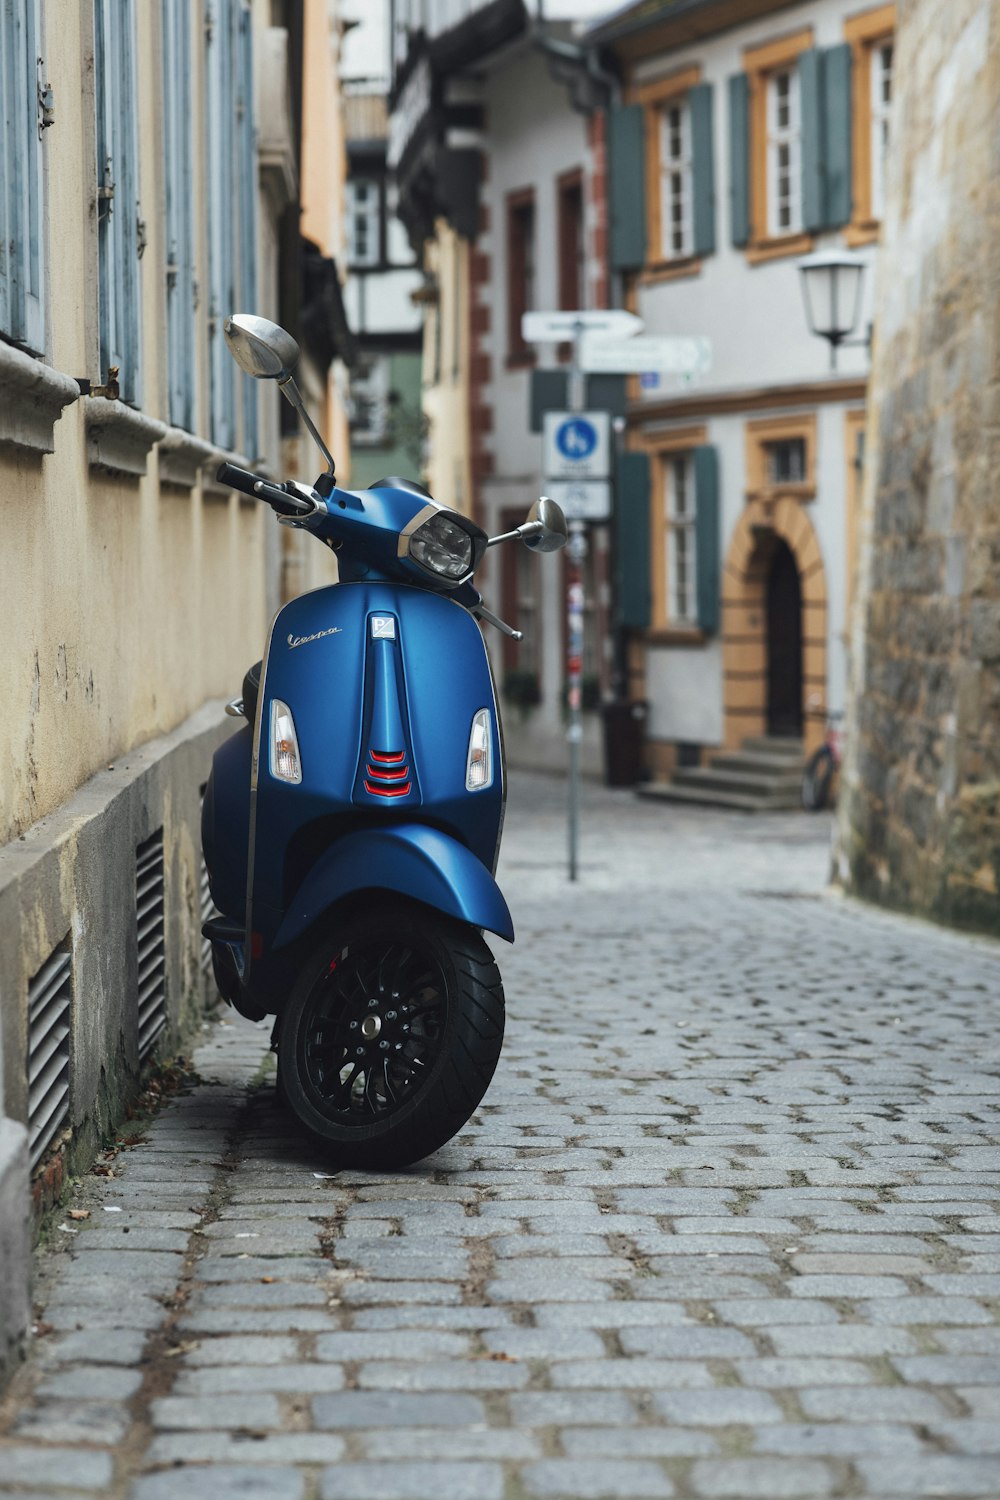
739	158
837	131
547	393
633	594
706	547
813	143
627	186
702	168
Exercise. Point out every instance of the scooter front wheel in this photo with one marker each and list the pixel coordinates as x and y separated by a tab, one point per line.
391	1036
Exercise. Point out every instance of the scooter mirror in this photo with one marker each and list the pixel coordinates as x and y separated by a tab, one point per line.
545	529
260	347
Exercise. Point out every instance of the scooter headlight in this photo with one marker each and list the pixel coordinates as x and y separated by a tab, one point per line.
442	547
286	764
479	765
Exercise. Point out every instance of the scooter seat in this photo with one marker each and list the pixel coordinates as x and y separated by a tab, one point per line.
251	691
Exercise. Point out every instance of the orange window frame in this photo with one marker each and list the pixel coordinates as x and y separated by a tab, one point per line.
864	33
759	64
655	97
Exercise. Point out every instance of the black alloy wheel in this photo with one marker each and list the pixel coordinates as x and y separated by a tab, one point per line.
391	1036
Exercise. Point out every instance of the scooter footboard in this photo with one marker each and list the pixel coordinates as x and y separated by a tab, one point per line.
411	859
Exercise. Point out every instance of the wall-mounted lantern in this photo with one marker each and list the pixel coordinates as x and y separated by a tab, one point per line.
831	290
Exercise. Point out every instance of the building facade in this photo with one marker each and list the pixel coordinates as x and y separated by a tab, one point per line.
747	135
387	422
499	137
149	186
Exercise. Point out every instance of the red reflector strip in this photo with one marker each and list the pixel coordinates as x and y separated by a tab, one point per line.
393	775
387	791
388	757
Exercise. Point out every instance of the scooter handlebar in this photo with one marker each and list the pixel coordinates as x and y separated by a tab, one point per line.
285	502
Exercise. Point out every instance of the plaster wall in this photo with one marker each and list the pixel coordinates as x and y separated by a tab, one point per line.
446	370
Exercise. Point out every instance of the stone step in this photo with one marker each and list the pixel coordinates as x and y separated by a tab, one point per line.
662	791
757	763
739	780
777	745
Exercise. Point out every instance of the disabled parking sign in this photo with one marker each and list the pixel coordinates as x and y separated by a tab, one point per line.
577	445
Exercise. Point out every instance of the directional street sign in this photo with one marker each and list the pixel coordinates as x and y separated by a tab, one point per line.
558	327
581	499
638	356
576	445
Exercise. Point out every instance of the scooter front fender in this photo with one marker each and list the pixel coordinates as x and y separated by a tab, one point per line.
411	859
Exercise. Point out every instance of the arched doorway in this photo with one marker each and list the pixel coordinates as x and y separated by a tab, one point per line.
774	631
784	643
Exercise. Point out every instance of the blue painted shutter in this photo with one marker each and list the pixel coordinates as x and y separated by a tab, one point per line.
702	168
627	186
837	121
118	195
739	159
247	185
220	44
813	143
633	591
21	224
707	561
178	160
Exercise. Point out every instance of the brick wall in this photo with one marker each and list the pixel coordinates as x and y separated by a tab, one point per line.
920	813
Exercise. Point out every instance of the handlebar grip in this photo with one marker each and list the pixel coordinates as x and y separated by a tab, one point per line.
259	488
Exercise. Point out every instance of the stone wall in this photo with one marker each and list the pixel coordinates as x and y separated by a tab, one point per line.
920	812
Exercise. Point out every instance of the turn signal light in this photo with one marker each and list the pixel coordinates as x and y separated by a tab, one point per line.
479	765
285	762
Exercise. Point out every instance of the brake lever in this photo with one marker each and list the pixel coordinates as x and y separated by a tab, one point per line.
491	619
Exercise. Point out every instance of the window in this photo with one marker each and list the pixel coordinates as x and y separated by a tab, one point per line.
784	154
785	461
675	180
770	162
370	403
781	456
572	242
21	127
232	235
177	162
362	223
682	604
881	99
871	41
521	290
118	217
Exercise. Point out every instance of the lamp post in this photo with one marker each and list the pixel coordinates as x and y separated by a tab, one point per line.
831	290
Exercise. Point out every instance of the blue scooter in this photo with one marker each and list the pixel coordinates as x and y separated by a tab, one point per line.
351	828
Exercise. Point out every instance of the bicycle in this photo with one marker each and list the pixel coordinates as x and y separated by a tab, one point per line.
823	765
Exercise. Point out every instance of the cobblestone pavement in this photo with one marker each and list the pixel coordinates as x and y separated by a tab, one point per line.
726	1226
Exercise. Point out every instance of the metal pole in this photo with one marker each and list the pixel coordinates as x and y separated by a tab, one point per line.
577	551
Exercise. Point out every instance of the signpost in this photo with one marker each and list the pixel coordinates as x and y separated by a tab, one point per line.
561	327
641	356
581	499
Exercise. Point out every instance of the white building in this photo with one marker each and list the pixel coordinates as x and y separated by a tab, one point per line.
747	136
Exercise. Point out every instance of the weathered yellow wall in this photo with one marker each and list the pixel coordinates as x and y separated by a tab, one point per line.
125	605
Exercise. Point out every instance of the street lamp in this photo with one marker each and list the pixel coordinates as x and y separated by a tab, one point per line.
831	290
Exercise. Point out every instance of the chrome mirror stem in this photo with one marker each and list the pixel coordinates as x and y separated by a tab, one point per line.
290	391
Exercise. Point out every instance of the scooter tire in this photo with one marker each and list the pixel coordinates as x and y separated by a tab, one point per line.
363	1127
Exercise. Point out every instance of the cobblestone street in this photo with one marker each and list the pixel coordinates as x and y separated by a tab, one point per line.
726	1227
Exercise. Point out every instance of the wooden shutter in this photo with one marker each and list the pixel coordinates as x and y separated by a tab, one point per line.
247	191
706	492
813	144
222	211
118	195
178	166
21	220
627	186
739	159
702	168
633	593
837	123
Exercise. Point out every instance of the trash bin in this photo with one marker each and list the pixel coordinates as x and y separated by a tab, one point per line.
624	733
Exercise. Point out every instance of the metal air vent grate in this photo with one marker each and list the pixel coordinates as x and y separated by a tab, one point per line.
50	1002
149	941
